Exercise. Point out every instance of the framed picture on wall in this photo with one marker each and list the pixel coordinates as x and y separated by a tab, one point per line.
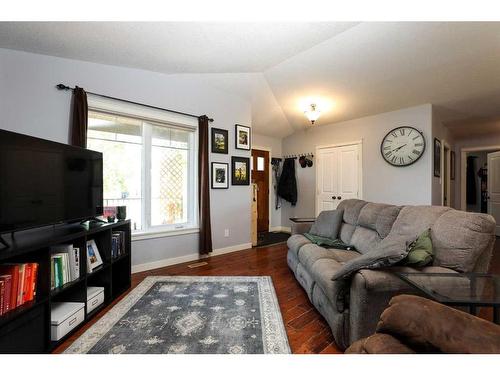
243	137
240	171
437	157
220	175
219	141
452	165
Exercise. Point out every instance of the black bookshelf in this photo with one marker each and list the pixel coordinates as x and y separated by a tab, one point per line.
26	329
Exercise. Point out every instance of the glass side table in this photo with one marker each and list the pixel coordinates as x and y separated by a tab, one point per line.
471	290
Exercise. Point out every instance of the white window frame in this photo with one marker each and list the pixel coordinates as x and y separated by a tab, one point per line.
157	117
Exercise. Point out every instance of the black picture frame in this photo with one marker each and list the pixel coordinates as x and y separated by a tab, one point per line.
242	137
452	165
437	157
216	176
236	167
216	134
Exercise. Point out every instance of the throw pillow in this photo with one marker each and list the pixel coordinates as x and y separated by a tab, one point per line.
420	251
327	224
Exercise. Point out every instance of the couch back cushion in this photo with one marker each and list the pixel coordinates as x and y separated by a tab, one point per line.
346	232
352	208
364	240
374	222
413	220
460	238
378	217
327	224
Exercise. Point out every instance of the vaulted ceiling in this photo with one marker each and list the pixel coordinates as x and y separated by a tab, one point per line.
351	69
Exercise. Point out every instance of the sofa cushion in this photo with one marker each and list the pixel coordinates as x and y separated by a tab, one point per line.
346	232
295	242
327	224
343	256
336	291
310	253
459	238
413	220
386	219
369	214
364	239
352	208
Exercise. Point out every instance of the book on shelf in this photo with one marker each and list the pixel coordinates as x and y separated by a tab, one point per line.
18	283
117	244
64	265
94	259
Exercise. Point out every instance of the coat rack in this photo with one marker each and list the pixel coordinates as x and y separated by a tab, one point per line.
295	156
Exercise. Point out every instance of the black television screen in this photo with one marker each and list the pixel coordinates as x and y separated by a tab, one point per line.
44	182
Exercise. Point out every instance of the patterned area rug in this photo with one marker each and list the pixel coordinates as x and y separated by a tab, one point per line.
184	314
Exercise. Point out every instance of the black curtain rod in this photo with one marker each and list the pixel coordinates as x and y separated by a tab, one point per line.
65	87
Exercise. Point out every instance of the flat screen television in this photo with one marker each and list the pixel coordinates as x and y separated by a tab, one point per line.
44	182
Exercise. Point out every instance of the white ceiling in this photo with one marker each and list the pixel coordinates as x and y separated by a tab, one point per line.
354	69
171	47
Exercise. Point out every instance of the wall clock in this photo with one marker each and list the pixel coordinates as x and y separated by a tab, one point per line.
403	146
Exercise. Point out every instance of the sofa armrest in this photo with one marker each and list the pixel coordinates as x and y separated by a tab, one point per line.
370	293
301	228
431	326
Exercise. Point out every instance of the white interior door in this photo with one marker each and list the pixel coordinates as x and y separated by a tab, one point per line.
326	180
337	176
494	188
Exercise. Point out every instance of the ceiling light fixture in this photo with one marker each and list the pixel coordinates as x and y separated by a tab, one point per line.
313	113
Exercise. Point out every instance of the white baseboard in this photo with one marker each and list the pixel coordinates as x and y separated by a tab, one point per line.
188	258
231	249
281	229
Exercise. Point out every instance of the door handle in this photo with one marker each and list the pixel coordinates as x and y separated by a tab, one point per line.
339	198
334	198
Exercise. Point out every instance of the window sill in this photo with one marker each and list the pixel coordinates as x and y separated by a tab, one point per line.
139	236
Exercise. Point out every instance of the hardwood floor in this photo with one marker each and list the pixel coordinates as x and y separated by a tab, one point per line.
307	331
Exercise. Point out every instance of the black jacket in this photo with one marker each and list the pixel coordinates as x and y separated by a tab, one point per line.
287	186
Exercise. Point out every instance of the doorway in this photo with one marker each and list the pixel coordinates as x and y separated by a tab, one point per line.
480	181
260	177
338	175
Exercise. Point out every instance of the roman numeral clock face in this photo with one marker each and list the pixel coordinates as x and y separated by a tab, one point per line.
403	146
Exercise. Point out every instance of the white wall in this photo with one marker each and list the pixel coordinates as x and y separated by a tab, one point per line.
30	104
381	181
273	145
442	133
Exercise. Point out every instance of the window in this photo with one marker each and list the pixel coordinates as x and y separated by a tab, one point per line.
149	166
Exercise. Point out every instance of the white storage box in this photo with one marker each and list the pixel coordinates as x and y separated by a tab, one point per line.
64	317
95	298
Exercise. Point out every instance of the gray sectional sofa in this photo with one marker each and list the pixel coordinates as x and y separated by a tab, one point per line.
462	242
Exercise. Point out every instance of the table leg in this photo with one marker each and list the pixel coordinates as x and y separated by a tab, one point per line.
472	310
496	315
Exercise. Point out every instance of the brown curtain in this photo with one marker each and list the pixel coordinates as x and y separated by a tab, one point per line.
204	187
80	117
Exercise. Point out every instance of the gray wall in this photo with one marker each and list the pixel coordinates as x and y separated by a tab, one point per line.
274	145
30	104
381	181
